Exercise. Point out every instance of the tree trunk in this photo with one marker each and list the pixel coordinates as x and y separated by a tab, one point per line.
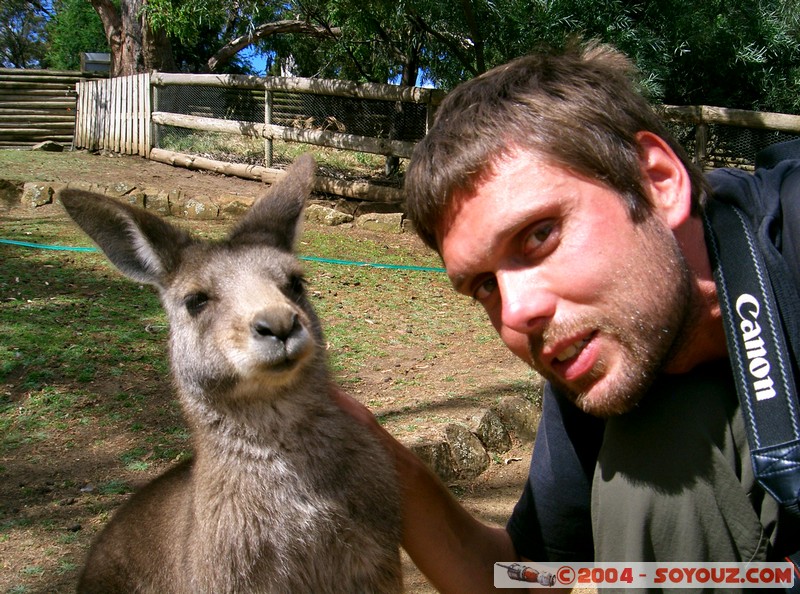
135	47
408	78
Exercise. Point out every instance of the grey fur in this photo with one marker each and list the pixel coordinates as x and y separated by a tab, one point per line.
285	492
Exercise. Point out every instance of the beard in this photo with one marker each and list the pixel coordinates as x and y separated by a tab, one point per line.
648	317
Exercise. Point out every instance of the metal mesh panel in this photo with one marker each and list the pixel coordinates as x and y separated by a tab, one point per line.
727	146
731	146
303	111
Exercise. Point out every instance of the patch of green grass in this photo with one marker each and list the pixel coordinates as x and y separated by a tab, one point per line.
66	566
243	149
68	538
80	345
114	487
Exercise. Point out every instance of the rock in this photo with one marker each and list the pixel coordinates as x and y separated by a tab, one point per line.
119	189
469	457
493	433
10	194
36	194
437	455
233	206
200	208
157	201
49	146
519	415
87	187
135	198
324	215
382	222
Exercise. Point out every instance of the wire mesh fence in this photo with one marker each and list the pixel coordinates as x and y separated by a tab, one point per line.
371	118
239	122
726	146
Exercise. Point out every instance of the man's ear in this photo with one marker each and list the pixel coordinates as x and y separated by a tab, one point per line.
665	179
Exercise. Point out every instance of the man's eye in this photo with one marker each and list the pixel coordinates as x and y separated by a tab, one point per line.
485	289
538	235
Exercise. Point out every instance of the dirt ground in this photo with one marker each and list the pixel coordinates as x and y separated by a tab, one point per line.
41	481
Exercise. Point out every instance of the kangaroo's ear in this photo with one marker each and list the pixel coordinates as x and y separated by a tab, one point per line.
275	216
141	245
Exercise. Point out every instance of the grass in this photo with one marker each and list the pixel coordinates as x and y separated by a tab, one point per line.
68	320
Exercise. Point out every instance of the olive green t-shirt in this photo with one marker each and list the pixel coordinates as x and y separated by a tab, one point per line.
674	482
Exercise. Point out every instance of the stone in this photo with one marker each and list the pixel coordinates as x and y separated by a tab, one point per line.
323	215
436	454
119	189
519	416
493	433
469	456
10	194
134	198
137	198
166	202
49	146
200	208
37	194
87	187
233	206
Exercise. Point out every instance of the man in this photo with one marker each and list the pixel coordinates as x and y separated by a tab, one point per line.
557	200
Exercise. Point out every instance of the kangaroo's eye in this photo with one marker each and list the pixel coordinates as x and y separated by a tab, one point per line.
195	302
297	285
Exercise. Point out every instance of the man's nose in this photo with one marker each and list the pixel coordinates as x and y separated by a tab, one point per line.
527	303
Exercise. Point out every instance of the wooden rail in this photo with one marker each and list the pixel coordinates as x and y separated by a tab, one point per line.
37	105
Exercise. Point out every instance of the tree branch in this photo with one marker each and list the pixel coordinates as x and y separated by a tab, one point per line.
233	47
447	41
477	38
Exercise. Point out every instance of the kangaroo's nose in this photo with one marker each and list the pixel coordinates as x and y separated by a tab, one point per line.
267	325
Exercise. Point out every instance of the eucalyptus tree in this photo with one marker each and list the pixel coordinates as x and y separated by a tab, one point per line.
22	33
136	46
722	52
725	52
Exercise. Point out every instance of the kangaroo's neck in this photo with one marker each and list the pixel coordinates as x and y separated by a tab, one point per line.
255	418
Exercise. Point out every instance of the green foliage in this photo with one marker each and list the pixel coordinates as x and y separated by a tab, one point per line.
74	28
21	34
729	53
716	52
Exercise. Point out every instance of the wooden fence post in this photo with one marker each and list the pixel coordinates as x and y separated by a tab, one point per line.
155	104
268	146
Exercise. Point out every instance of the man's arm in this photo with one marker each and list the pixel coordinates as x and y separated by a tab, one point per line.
455	551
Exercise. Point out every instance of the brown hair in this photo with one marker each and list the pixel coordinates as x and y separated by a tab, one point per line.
578	108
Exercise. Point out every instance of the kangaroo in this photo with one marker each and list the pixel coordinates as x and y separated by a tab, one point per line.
285	493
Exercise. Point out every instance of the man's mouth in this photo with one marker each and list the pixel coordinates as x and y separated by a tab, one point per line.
571	351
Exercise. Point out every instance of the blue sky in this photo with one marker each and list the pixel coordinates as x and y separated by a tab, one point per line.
259	63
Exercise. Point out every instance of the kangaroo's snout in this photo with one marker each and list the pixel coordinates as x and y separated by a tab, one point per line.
279	327
280	337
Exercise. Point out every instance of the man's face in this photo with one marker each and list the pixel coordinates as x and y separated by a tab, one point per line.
593	301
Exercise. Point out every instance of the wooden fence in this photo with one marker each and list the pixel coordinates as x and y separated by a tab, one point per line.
36	105
114	115
125	115
753	131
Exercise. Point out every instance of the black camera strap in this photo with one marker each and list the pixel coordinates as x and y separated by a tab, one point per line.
760	357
